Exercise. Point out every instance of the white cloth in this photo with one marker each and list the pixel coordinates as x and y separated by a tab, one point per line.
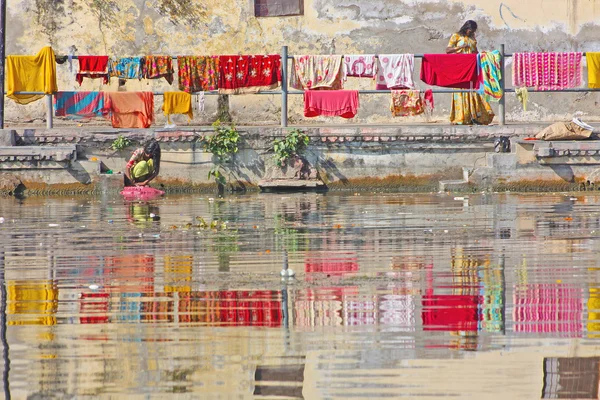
362	66
201	101
395	71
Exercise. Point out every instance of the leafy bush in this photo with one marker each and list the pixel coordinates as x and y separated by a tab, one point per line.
223	145
120	143
291	145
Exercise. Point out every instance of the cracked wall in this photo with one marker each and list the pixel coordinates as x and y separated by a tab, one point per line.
138	27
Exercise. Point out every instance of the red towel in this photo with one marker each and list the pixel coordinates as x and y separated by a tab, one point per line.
93	67
450	70
331	103
249	74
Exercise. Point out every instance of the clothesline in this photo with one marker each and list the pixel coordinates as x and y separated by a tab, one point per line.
291	57
366	91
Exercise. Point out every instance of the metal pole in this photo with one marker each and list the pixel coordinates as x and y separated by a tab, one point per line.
501	103
284	87
3	329
49	113
2	58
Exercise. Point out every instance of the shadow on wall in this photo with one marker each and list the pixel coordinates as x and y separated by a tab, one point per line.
565	172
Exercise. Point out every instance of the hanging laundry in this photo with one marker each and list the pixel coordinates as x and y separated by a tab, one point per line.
548	71
593	66
523	96
406	103
317	72
156	67
200	96
197	73
131	109
331	103
126	68
82	104
450	70
177	103
491	74
360	66
31	74
428	99
395	71
249	74
92	67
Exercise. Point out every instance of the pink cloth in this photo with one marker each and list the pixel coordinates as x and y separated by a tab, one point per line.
362	66
331	103
549	308
547	71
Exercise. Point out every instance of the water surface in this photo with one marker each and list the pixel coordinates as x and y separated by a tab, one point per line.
417	296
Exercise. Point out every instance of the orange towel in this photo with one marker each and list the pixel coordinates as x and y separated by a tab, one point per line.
131	109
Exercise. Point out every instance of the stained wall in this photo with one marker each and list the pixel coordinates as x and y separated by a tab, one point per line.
138	27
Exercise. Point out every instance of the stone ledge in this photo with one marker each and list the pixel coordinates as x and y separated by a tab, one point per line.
13	156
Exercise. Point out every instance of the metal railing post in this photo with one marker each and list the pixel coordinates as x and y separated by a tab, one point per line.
284	87
2	58
49	112
502	103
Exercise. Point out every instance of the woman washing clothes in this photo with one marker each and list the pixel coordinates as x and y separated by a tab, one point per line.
144	165
468	108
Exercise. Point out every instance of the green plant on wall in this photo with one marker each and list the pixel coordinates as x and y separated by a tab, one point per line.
291	145
223	145
120	143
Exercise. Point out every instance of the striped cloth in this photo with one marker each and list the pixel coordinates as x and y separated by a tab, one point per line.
548	71
491	74
83	104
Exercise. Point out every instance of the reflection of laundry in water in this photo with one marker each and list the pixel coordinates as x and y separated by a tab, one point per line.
31	302
548	308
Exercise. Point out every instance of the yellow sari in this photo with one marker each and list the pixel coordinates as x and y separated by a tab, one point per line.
468	108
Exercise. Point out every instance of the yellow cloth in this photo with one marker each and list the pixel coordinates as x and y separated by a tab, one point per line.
522	96
31	74
177	103
470	108
593	66
31	302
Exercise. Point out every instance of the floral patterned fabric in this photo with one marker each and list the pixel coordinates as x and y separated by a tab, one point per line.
468	108
249	74
156	67
317	72
198	73
126	68
406	103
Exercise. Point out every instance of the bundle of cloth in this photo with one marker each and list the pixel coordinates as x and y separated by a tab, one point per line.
572	130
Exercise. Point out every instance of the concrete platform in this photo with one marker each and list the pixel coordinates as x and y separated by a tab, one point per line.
290	184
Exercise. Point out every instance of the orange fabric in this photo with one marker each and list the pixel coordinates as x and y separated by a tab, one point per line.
131	109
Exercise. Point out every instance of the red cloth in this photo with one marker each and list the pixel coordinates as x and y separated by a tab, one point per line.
92	67
450	312
331	103
249	74
450	70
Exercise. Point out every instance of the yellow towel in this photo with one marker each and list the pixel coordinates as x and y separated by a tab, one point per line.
31	74
593	65
177	103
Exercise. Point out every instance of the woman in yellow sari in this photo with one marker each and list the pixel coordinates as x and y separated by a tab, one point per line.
468	108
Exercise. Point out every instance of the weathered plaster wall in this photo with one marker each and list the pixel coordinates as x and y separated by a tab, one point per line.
137	27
